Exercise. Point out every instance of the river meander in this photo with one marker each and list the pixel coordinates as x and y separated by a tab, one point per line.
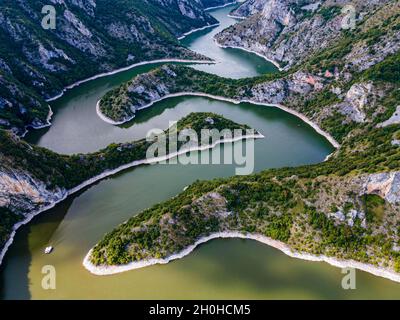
229	268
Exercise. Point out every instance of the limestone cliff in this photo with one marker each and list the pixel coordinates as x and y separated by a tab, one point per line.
289	31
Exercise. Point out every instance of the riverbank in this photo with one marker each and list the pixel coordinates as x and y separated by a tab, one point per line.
221	6
282	107
47	124
103	117
276	64
138	64
110	270
198	29
62	194
208	26
236	17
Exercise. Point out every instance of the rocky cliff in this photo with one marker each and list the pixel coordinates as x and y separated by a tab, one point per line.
288	31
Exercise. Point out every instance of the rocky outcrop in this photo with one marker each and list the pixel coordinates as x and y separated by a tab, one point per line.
249	8
355	102
394	119
386	185
282	90
23	193
278	30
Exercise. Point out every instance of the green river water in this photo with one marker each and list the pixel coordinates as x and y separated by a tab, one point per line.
228	268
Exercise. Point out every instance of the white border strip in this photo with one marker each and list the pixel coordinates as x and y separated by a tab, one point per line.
47	124
237	17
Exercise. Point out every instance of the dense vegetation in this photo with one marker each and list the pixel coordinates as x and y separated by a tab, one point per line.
7	220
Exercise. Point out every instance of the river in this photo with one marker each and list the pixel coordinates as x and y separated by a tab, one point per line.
228	268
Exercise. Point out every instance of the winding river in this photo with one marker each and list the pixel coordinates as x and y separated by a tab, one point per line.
228	268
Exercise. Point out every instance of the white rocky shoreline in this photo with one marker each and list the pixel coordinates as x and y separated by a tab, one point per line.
102	75
200	94
222	5
236	17
138	64
110	270
276	64
198	29
63	194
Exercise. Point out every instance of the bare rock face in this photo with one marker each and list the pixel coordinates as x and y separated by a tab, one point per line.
249	8
341	217
355	102
23	193
88	6
276	30
394	119
279	91
386	185
213	204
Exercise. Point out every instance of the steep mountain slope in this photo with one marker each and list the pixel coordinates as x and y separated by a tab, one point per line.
90	37
288	31
249	8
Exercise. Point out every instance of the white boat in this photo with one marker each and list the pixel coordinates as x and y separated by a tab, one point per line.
48	250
